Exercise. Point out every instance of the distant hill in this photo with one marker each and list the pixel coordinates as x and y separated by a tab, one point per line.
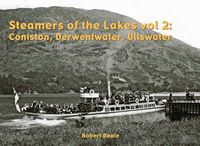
65	66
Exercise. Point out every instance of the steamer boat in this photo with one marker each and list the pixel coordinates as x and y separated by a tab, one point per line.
94	106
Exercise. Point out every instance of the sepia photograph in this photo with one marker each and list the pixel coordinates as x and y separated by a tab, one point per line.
99	73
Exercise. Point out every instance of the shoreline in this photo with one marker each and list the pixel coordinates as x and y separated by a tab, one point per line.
54	95
48	95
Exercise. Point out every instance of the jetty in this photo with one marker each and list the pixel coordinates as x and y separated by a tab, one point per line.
183	107
188	106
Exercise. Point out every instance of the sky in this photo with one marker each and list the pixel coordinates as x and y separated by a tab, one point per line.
183	14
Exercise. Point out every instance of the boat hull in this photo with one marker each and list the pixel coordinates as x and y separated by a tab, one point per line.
95	114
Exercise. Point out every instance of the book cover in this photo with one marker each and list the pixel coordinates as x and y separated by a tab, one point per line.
99	73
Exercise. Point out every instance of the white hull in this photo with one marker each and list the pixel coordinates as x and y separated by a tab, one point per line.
96	114
124	113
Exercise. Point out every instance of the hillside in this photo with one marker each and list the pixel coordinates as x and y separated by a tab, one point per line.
63	65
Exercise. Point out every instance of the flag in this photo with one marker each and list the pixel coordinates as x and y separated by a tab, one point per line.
16	100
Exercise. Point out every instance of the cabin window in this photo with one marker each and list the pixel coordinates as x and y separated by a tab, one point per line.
136	106
117	108
127	107
106	109
140	106
153	105
122	108
112	109
132	107
145	105
89	100
149	105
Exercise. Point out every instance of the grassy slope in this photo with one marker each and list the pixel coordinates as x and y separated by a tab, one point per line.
131	133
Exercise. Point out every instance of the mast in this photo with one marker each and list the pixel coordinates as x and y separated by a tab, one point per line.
109	90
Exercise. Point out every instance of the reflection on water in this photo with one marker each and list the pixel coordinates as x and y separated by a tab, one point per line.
26	123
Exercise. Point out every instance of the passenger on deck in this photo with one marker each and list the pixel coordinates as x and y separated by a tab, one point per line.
26	107
187	95
41	107
51	108
65	110
33	104
86	90
170	97
34	107
46	108
71	108
76	108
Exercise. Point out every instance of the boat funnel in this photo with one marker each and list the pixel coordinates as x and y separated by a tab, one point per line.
109	91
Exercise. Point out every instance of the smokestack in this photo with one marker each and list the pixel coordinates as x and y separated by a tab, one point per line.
109	91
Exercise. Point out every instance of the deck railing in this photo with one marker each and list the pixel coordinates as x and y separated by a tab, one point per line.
184	101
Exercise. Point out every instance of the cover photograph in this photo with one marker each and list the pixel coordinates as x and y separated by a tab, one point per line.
99	73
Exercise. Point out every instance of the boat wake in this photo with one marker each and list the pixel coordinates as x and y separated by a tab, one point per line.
26	123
